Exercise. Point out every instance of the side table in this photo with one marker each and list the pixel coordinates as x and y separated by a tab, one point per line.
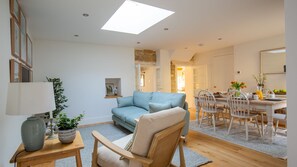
51	151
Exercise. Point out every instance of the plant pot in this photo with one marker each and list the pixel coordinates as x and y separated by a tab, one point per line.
66	136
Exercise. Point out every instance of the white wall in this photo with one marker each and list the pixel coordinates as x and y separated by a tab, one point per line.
206	59
83	69
10	126
291	44
247	61
189	86
163	61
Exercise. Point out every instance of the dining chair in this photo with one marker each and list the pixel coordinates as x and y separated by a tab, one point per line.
240	108
280	117
208	105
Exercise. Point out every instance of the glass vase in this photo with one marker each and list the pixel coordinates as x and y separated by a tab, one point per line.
260	87
237	93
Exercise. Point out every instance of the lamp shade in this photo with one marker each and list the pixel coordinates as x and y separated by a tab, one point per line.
30	98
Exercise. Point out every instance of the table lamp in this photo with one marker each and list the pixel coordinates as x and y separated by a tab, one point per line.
28	99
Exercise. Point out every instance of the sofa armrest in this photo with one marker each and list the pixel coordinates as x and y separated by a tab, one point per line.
125	101
186	106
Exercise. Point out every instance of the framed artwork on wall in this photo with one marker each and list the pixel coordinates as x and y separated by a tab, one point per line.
23	22
29	52
15	38
15	9
23	56
26	74
14	71
109	89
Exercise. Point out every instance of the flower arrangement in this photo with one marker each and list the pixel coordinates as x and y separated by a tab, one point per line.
260	78
238	85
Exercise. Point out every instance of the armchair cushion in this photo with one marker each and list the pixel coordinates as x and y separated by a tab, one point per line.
155	107
106	157
149	124
125	101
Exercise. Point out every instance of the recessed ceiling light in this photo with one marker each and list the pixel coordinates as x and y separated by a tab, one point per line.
85	14
220	39
166	29
133	17
76	35
138	42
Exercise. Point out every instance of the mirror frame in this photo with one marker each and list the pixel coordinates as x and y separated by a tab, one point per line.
261	71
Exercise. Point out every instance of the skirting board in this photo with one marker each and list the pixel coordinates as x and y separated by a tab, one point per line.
95	120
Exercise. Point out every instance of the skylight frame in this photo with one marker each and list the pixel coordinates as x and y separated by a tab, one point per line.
134	17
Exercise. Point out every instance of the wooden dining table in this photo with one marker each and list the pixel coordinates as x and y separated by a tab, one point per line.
262	105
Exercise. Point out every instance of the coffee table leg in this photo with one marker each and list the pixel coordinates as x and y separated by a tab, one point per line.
78	159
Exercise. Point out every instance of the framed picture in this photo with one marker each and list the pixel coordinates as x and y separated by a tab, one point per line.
23	22
14	71
109	89
29	52
15	9
23	56
15	38
26	74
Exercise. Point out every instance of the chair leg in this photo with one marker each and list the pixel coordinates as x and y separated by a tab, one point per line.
201	119
214	122
258	127
224	119
276	125
246	130
262	124
230	125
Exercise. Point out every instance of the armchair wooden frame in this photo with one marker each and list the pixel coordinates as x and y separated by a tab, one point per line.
165	141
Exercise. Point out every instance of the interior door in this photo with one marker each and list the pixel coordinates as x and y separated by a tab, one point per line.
222	72
200	78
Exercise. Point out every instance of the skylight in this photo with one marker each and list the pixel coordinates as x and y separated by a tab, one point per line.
133	17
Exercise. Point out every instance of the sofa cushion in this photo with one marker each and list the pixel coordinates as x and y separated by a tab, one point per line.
125	101
128	112
136	115
106	157
149	124
176	99
155	107
142	99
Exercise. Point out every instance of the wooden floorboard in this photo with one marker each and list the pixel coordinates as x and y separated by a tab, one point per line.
225	154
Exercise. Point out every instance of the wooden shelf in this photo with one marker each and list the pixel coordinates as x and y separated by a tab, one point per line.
112	96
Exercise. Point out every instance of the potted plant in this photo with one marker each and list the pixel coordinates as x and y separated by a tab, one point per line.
67	127
60	98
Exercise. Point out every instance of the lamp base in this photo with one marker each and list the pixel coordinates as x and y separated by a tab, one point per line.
33	133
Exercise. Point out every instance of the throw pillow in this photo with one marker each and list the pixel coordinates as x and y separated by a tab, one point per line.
125	101
155	107
142	99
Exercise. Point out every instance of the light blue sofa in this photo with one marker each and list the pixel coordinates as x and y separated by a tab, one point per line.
132	107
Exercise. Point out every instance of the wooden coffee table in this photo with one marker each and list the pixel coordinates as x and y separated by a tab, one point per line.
51	151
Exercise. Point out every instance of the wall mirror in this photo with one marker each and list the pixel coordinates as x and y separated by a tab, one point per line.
273	61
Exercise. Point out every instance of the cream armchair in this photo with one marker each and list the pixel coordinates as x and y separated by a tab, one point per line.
155	140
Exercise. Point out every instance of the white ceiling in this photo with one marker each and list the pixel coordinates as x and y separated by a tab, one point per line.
194	22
